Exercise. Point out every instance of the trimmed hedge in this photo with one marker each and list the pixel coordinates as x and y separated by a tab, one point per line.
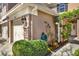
30	48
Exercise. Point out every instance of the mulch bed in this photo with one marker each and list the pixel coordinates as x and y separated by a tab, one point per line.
56	49
60	45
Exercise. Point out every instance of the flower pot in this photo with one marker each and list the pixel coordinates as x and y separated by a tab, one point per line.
55	45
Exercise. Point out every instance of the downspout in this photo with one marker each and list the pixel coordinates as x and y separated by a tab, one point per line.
59	31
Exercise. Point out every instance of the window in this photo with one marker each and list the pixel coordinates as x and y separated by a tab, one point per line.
62	7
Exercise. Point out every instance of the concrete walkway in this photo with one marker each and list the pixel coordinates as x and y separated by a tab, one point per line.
5	47
6	50
74	40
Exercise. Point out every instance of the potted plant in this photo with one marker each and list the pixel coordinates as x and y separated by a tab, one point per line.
55	44
64	36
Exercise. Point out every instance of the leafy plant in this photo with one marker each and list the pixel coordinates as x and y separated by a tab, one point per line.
40	47
69	16
65	34
62	16
30	48
76	12
67	27
76	53
66	30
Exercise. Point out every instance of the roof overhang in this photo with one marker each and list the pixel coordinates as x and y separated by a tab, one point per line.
43	8
20	6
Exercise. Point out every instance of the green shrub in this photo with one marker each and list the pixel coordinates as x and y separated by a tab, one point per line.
40	47
76	53
30	48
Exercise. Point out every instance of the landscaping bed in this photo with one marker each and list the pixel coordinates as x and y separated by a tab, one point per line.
66	50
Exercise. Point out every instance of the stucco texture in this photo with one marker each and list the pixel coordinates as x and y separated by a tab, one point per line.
39	26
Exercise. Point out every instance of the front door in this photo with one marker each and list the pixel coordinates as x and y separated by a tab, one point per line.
18	32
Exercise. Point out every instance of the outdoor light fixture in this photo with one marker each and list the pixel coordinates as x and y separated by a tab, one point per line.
45	22
6	18
23	19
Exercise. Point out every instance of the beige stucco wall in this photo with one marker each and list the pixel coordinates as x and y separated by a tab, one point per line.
50	19
39	26
72	6
46	17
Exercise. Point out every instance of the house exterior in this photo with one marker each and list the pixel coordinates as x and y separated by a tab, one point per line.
26	21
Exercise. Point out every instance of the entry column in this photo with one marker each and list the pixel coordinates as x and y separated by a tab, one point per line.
10	30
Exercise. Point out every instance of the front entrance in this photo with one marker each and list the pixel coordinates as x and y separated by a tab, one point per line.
18	32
